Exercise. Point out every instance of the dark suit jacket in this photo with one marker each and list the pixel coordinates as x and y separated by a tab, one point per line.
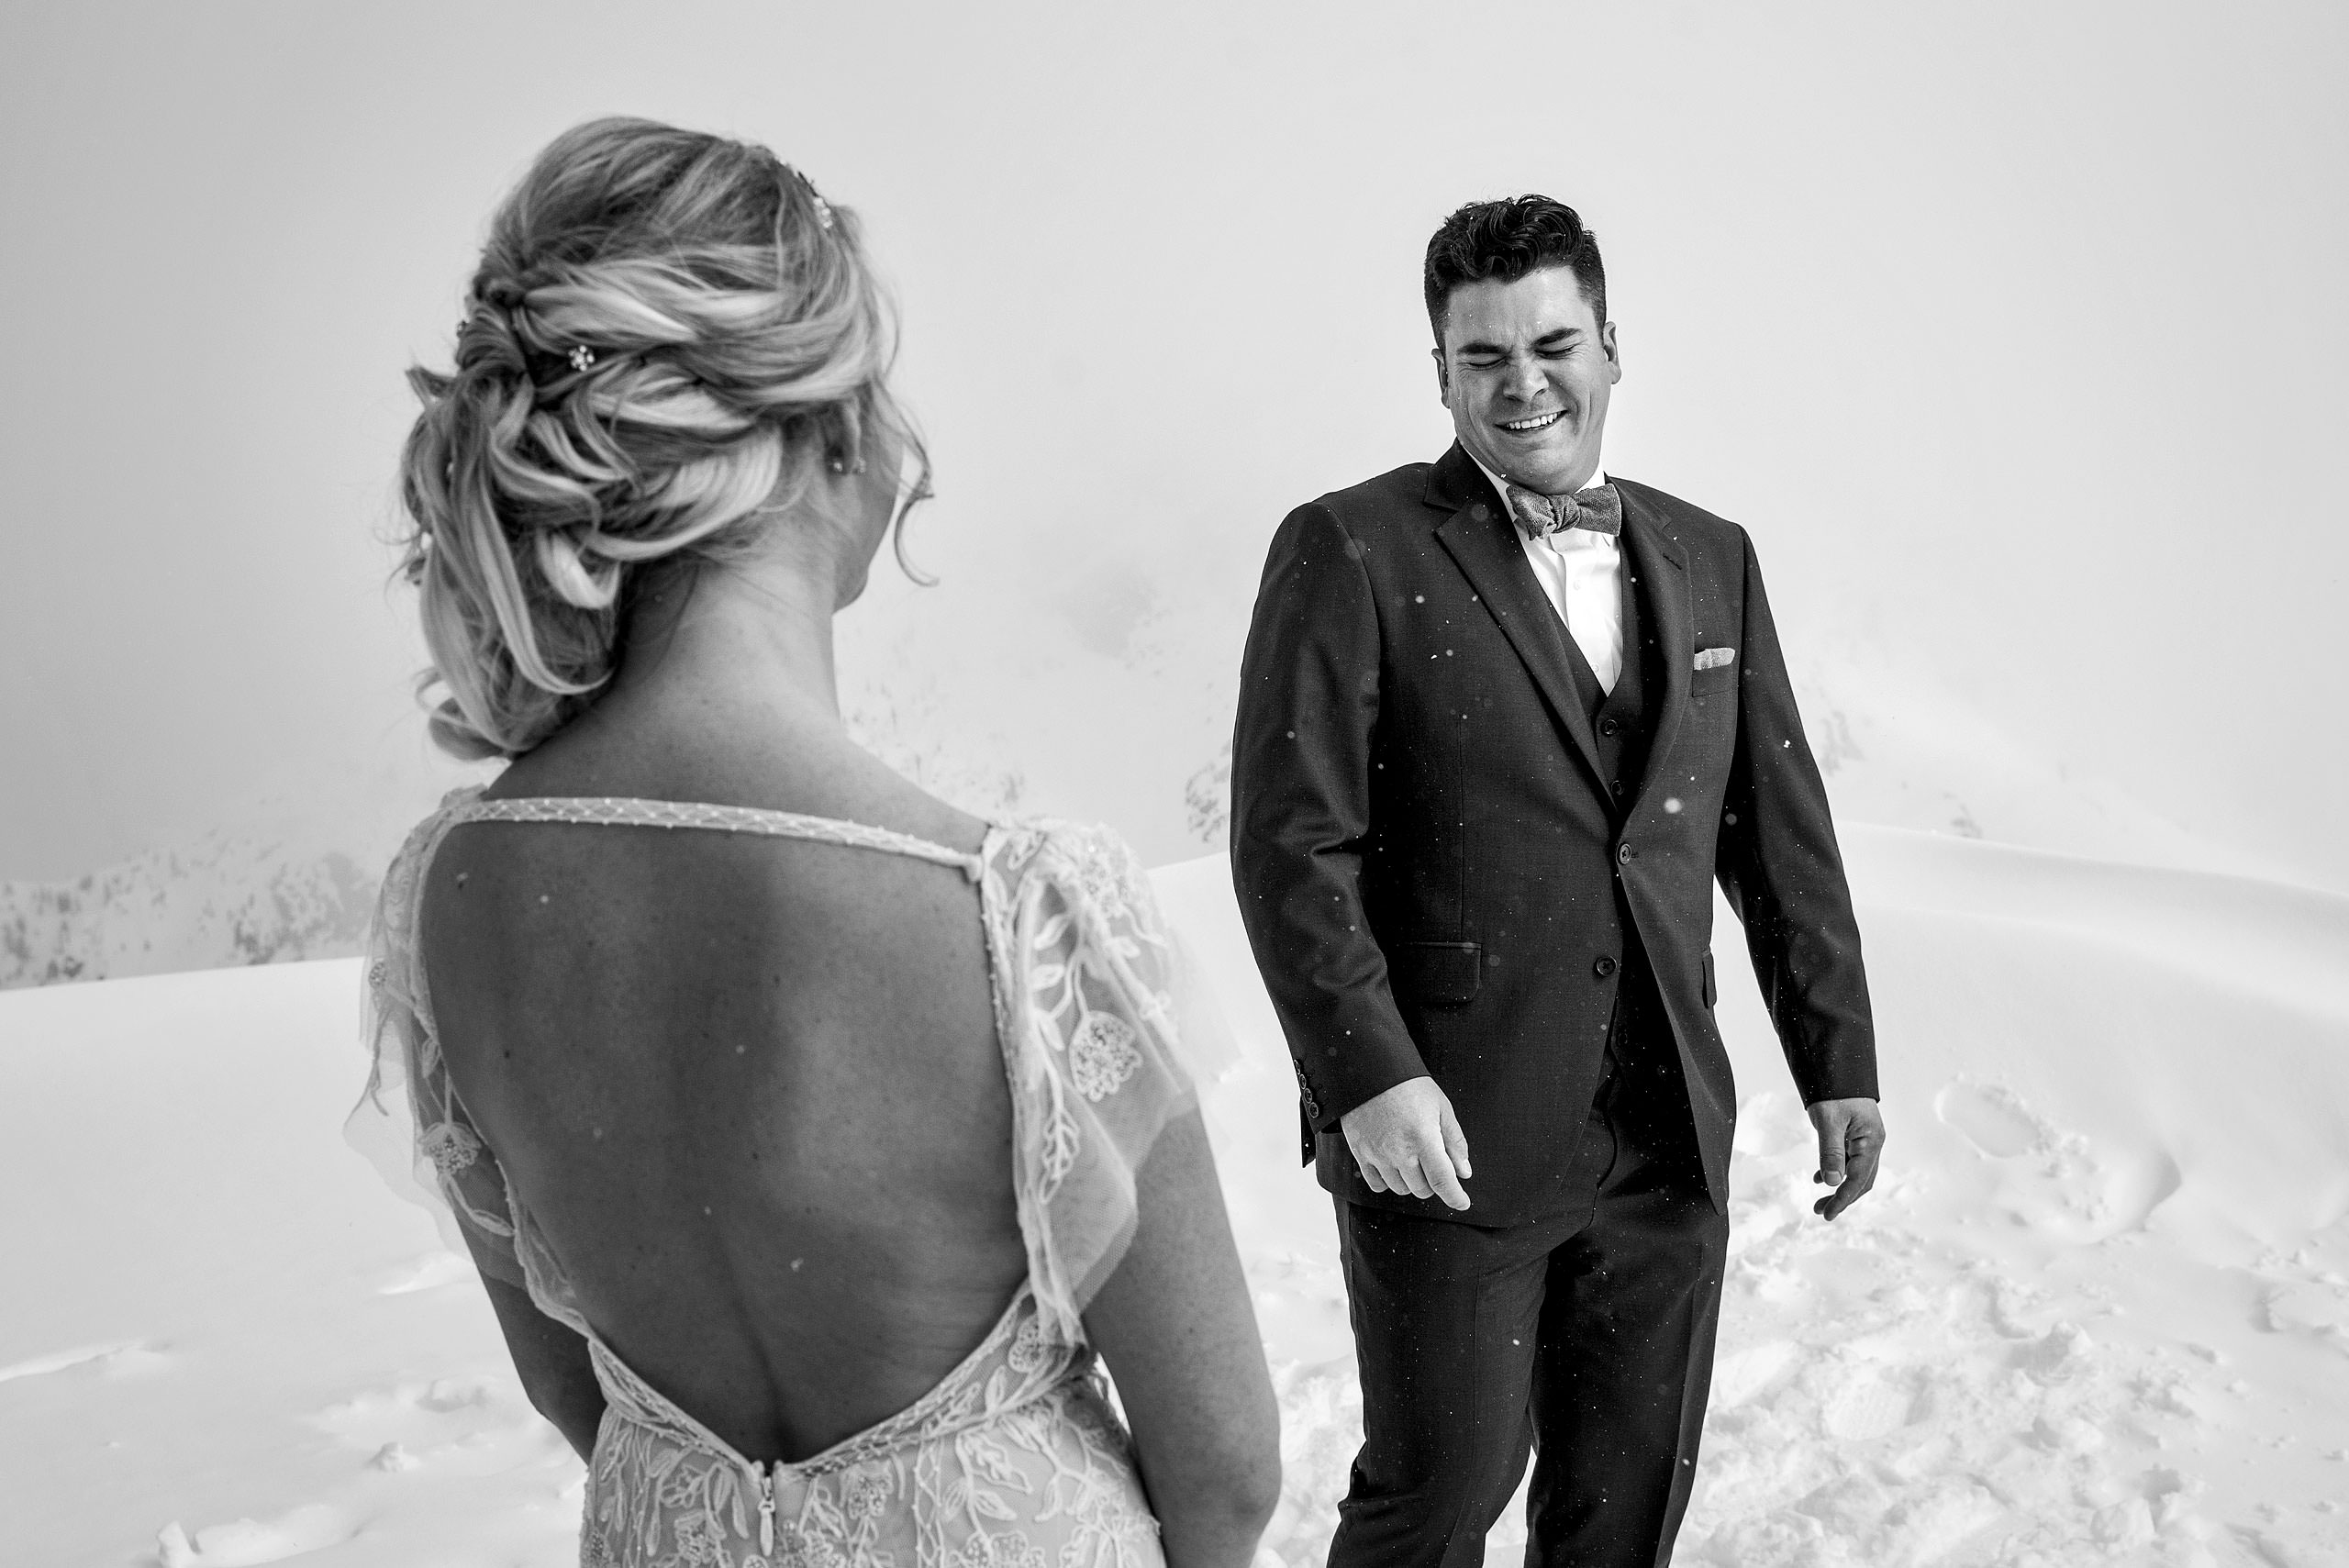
1436	878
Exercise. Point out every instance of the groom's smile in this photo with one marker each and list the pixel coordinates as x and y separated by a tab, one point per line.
1525	368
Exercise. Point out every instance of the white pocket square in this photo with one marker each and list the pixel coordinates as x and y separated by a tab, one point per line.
1714	658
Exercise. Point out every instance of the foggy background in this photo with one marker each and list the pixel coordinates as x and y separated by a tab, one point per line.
2013	333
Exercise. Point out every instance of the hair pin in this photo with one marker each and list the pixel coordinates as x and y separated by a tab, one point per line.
823	207
583	357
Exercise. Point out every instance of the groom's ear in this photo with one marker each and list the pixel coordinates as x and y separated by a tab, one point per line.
1443	377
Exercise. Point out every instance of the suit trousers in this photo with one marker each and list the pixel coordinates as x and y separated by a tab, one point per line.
1586	1337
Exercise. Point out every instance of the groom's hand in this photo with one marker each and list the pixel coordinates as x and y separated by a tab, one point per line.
1851	1140
1407	1140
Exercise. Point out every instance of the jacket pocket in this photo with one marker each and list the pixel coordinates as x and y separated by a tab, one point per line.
1437	973
1711	994
1713	682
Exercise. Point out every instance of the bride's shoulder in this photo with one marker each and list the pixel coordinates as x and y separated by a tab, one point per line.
439	818
400	898
416	848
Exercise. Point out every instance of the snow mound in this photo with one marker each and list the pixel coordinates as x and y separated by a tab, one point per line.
2097	1311
1903	750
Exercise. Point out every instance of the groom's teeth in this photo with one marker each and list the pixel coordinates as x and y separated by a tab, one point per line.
1533	424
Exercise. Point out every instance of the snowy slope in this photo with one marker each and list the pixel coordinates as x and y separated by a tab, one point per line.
2098	1312
1900	751
224	900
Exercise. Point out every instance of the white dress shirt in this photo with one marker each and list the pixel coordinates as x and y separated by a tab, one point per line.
1581	570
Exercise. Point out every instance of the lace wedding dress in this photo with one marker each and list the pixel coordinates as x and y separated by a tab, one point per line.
1015	1459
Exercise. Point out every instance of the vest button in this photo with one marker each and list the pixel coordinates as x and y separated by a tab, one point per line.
1604	967
1623	855
1607	726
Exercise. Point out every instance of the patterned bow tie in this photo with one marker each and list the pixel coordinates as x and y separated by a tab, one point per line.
1598	508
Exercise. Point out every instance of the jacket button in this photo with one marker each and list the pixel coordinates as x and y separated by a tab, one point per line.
1604	967
1616	787
1623	855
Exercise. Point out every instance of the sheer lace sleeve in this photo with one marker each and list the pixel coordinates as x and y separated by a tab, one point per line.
410	1122
1085	994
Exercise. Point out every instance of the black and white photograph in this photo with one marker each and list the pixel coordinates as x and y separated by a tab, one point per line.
1278	785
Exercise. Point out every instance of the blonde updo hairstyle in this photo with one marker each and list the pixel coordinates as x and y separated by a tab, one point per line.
669	335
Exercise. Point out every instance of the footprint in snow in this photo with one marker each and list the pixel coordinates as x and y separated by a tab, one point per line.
428	1273
122	1358
245	1542
457	1426
1868	1406
2051	1181
1993	1119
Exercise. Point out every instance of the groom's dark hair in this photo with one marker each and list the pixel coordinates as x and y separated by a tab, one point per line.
1507	239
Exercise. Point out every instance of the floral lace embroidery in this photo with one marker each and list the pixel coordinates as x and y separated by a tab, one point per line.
1029	1349
1101	1056
450	1147
1010	1550
1089	947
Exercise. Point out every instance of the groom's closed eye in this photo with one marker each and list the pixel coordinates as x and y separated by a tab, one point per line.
1549	346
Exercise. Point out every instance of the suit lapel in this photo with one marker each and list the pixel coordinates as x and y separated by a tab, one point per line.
1483	544
1661	566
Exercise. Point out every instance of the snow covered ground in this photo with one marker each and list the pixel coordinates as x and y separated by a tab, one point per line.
2096	1312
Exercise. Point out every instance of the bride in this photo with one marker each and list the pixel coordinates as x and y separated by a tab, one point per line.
812	1137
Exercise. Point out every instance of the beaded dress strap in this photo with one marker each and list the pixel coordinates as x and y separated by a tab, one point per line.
618	811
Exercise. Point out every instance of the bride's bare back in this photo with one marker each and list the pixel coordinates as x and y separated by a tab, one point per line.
755	1087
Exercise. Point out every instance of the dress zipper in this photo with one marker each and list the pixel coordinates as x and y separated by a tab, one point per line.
766	1511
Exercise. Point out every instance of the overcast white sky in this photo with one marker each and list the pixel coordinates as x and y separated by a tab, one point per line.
2014	333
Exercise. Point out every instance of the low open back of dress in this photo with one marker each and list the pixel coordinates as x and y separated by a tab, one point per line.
1016	1458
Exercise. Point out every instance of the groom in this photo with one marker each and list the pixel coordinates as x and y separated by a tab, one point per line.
1502	723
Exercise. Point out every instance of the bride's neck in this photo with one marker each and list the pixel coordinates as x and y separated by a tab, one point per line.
751	640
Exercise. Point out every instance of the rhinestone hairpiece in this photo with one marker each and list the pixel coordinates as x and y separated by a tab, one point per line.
823	207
